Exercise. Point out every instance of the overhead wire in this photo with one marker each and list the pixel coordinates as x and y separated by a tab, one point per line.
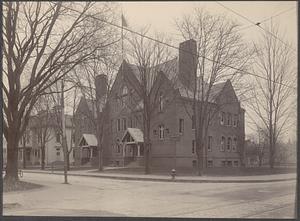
256	24
175	47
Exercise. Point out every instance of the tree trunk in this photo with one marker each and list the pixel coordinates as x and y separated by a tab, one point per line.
147	158
100	158
24	155
68	161
43	157
12	158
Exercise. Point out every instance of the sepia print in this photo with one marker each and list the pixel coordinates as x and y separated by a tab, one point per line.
149	109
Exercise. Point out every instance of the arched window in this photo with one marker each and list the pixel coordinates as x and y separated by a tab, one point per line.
124	91
222	144
228	143
234	145
161	132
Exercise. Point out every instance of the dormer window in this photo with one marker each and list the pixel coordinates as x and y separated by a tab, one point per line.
124	91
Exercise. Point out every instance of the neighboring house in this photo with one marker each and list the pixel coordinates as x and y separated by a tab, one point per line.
30	144
172	129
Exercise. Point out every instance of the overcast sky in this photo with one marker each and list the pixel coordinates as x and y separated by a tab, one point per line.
161	15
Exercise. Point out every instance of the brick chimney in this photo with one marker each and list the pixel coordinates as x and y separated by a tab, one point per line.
187	63
101	85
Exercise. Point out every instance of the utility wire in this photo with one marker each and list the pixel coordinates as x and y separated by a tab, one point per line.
175	47
266	19
256	24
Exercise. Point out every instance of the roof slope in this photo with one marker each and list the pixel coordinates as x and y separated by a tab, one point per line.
170	69
136	134
90	139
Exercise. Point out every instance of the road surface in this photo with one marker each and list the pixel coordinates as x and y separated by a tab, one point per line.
90	196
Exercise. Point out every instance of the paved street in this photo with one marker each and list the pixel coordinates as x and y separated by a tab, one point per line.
88	196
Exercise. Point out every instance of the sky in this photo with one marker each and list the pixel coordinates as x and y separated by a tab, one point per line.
161	16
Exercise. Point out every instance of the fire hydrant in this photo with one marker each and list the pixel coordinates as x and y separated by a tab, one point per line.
173	174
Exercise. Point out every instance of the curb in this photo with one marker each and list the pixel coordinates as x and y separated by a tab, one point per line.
165	180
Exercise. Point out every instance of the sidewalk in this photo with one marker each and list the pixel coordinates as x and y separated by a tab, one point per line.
165	178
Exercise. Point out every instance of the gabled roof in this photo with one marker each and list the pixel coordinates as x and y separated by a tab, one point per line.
170	69
90	139
136	134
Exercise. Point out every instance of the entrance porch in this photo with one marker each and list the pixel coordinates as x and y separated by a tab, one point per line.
133	147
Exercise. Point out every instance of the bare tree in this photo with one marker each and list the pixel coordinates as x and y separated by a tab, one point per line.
87	75
150	58
219	47
42	123
42	42
273	101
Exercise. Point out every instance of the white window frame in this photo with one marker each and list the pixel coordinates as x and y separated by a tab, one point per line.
234	145
222	120
223	144
161	132
230	144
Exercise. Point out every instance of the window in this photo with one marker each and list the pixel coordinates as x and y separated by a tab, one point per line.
161	101
124	91
209	118
209	163
181	125
193	122
161	132
73	153
193	147
229	119
58	137
235	118
118	148
209	143
229	163
124	124
234	145
130	122
155	132
223	163
236	163
228	144
194	163
222	118
57	152
119	124
111	125
222	144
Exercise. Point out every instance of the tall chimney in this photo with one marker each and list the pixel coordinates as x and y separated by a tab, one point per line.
188	63
101	85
